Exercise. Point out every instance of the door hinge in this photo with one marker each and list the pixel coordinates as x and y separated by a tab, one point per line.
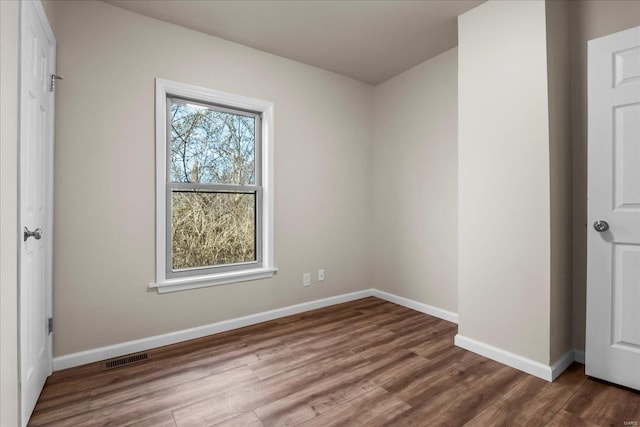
52	83
50	325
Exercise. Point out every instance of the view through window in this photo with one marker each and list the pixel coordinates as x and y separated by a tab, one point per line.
214	187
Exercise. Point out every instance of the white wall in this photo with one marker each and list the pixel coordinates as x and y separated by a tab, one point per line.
414	183
9	17
503	163
105	171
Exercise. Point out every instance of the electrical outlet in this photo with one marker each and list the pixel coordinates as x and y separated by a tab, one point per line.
321	275
306	279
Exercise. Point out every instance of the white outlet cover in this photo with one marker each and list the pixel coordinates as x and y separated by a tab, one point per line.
321	275
306	279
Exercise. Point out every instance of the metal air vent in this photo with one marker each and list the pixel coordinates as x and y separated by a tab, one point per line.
125	360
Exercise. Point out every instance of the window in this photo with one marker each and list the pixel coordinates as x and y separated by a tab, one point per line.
214	196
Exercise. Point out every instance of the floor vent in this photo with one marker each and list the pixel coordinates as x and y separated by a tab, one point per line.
125	360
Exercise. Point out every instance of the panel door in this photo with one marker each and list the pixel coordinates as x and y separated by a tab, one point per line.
613	276
36	191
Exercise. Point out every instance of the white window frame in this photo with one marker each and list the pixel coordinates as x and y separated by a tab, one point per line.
266	266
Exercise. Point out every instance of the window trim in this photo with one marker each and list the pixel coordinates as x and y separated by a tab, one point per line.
265	267
255	189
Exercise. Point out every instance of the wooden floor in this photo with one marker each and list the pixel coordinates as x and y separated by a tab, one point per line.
367	362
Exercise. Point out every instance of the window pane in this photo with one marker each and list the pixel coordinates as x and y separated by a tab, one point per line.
212	147
212	228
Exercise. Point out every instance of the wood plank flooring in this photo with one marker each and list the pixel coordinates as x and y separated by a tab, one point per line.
367	362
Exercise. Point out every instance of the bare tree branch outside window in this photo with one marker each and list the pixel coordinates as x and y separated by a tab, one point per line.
208	146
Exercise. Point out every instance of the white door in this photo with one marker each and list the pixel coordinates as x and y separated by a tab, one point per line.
613	272
37	64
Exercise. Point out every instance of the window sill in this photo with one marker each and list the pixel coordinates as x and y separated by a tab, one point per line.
185	283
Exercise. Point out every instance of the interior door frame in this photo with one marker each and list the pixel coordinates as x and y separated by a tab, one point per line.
49	188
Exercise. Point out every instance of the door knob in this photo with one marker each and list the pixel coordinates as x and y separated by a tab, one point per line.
601	226
36	234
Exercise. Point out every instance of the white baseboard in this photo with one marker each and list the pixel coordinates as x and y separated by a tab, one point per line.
116	350
516	361
415	305
529	366
107	352
561	364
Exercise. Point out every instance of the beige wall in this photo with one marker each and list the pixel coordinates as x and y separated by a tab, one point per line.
105	171
85	270
334	137
503	164
9	14
589	20
557	25
414	184
50	11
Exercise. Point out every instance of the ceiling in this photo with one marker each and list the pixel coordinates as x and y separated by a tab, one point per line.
370	41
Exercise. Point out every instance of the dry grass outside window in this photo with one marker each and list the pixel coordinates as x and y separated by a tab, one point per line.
212	229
